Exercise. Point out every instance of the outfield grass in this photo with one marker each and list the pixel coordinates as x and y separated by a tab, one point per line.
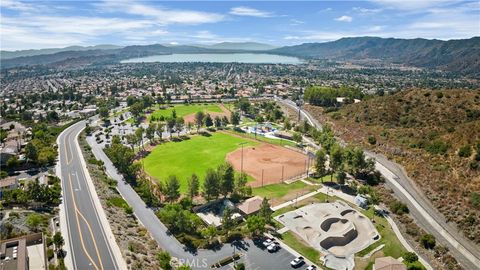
280	142
195	155
183	110
280	190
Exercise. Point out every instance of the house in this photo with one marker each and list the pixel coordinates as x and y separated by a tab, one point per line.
361	201
8	183
388	263
250	206
8	150
22	253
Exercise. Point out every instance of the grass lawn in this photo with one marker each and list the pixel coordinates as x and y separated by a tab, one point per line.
280	190
264	139
301	247
183	110
195	155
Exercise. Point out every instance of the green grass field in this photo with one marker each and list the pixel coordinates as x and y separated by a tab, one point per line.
183	110
195	155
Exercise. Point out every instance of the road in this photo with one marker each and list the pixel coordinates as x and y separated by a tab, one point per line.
89	246
421	209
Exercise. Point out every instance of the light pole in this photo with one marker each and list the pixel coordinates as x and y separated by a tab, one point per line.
241	166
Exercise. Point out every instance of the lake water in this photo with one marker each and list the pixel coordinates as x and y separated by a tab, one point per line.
252	58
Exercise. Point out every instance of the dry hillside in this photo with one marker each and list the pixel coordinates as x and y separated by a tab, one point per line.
424	130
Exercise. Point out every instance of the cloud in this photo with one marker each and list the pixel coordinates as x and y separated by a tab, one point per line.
161	15
366	11
247	11
412	4
295	22
16	5
344	18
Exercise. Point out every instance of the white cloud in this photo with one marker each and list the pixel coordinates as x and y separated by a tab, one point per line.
16	5
161	15
412	4
295	22
366	11
344	18
248	11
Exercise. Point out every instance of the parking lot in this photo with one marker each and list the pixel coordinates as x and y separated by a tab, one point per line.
256	257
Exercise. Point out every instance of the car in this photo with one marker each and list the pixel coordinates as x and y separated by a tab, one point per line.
267	242
297	262
311	267
273	247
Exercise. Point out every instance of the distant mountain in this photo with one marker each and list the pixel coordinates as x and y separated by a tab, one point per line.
247	46
21	53
452	55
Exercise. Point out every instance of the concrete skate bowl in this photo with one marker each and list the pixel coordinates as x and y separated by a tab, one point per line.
339	241
327	224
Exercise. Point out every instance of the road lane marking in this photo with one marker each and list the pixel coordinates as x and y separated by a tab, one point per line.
79	188
78	226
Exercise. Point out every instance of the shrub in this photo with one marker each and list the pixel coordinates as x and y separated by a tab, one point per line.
164	260
475	199
465	151
437	148
410	257
50	253
372	140
428	241
398	208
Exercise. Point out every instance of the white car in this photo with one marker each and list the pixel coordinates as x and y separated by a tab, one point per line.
297	262
312	267
267	242
273	247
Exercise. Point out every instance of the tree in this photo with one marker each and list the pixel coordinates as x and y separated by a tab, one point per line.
58	241
227	221
256	224
410	257
170	125
243	104
428	241
103	111
139	134
336	158
241	187
227	178
159	130
208	121
265	211
164	259
132	141
218	121
31	152
33	221
179	124
211	185
172	189
209	233
137	109
12	162
341	177
465	151
193	186
150	131
235	119
320	160
199	116
297	137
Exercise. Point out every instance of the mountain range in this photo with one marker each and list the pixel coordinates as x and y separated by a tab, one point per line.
453	55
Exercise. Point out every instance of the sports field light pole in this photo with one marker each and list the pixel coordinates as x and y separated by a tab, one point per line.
241	166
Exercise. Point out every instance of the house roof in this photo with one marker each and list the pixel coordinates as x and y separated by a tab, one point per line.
388	263
251	205
9	181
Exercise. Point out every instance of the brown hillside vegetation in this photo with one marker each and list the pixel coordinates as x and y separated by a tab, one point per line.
424	130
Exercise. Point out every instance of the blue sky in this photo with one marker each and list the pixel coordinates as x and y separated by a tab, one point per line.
45	24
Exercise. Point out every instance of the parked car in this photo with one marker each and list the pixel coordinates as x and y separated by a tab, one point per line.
297	262
311	267
273	247
267	242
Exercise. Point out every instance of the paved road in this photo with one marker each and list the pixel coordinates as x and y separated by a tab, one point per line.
89	246
421	209
254	256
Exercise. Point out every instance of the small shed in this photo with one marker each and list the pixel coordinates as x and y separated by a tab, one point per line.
361	201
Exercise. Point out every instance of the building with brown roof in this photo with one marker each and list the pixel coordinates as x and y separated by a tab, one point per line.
250	206
388	263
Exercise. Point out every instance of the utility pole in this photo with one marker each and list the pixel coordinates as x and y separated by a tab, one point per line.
241	166
262	177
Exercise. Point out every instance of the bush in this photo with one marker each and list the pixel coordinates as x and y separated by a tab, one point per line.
164	260
398	208
50	253
475	199
437	148
410	257
372	140
465	151
428	241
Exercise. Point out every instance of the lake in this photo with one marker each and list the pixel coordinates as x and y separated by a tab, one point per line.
252	58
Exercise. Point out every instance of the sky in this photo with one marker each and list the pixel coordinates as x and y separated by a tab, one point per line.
53	24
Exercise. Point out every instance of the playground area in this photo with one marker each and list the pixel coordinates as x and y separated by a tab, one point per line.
335	229
269	164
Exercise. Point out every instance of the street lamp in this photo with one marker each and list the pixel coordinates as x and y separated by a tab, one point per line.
241	166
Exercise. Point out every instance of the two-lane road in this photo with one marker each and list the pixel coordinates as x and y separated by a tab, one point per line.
88	244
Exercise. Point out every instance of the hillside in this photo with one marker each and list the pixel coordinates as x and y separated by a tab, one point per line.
22	53
247	46
453	55
434	135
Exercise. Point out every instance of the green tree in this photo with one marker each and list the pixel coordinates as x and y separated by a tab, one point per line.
336	159
243	104
33	221
428	241
235	119
159	128
218	121
12	162
208	121
227	178
172	189
199	117
139	134
227	221
150	131
297	137
58	241
265	211
465	151
193	186
137	109
320	160
410	257
103	111
164	259
211	185
341	177
209	233
256	225
241	187
31	152
179	125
